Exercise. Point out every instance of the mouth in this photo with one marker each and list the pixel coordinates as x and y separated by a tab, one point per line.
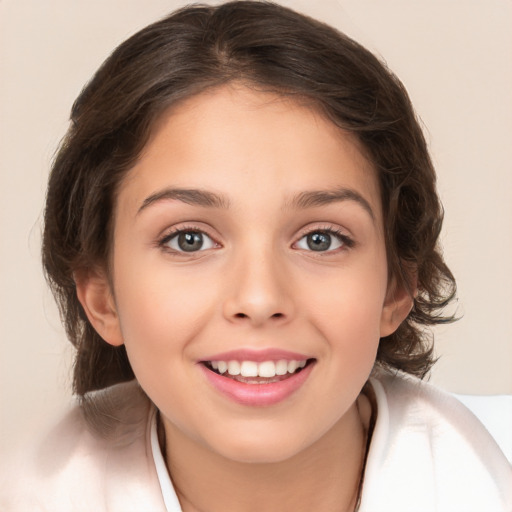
255	372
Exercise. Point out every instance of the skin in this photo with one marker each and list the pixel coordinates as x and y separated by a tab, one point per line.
256	285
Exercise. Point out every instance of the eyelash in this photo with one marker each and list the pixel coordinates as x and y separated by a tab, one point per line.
162	243
346	241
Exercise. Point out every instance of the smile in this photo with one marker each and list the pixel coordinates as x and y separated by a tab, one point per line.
257	383
266	371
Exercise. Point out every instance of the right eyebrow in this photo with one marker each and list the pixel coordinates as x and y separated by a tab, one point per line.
314	198
192	196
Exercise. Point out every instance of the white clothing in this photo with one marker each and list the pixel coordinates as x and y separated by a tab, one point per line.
428	453
495	412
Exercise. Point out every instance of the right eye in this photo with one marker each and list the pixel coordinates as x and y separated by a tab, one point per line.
326	240
188	241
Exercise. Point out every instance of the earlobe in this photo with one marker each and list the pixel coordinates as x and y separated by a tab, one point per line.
94	293
397	306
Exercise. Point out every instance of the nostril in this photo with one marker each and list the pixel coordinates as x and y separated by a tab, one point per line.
243	315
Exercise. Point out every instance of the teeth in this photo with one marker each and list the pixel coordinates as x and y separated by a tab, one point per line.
292	366
266	369
249	369
234	368
281	367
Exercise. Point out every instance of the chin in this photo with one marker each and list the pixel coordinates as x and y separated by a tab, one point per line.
261	449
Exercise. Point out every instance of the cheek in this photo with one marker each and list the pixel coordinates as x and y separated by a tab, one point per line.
349	324
160	310
347	310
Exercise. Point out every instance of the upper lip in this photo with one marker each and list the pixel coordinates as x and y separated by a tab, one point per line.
259	356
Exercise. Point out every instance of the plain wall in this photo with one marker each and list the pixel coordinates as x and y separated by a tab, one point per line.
454	58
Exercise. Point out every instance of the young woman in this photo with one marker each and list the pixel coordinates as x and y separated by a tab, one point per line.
241	232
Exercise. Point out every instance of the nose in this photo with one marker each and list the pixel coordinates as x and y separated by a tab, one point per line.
259	291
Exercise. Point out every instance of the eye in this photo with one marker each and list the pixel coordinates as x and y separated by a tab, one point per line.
189	241
323	241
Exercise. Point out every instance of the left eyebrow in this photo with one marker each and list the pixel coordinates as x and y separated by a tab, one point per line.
311	199
194	197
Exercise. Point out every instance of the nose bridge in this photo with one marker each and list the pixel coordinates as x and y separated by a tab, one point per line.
259	291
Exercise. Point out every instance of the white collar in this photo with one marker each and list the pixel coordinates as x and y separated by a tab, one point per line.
168	493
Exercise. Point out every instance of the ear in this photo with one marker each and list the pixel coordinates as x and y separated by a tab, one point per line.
397	306
94	293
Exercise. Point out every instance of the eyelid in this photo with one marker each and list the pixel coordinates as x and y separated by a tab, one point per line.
342	234
174	231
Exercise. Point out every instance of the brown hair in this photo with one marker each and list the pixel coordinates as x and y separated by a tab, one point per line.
269	47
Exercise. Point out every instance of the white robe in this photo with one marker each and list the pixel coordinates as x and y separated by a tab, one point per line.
428	453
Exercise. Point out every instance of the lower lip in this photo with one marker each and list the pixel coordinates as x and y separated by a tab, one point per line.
257	394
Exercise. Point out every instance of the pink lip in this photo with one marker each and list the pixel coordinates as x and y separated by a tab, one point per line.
257	394
257	355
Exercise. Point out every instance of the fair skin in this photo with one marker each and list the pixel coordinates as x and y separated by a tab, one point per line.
285	254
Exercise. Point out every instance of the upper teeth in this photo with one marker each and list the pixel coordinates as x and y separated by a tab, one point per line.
254	369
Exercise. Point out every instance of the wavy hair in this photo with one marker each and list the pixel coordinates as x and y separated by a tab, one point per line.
271	48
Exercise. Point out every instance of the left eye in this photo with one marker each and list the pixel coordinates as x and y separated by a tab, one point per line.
190	241
321	241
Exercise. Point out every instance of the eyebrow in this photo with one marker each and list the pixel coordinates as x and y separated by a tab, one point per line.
312	199
303	200
194	197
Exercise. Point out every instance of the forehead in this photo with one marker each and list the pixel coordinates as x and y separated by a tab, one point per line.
234	139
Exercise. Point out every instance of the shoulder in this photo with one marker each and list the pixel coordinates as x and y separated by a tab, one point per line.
95	458
429	452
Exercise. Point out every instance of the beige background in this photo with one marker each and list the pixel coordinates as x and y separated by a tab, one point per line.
455	59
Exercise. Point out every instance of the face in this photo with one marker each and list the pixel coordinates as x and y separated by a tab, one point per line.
249	274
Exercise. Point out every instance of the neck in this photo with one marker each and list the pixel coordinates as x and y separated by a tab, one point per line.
325	476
